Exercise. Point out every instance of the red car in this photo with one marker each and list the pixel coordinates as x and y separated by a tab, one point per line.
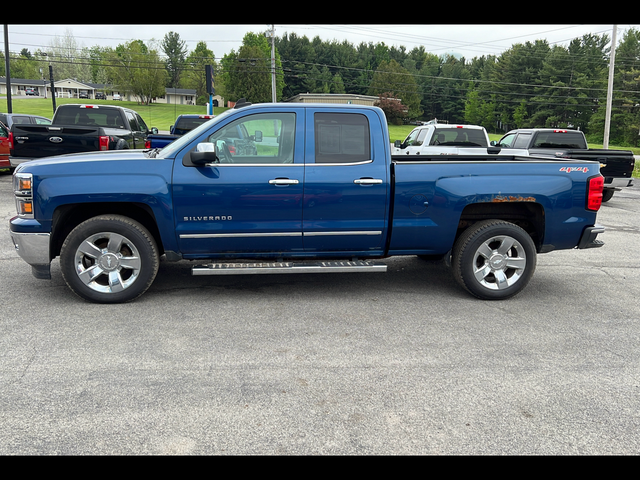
4	146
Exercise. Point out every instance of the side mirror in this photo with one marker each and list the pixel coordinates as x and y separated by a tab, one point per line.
397	144
154	130
493	143
258	136
205	153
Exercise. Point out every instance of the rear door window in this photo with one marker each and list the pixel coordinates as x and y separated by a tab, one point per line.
342	138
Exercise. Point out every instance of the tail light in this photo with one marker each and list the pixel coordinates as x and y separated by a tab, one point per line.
595	186
104	142
11	140
147	144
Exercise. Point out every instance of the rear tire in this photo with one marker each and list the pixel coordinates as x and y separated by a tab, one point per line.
607	194
494	259
109	259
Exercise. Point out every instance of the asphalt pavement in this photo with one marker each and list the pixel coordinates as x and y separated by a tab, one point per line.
396	363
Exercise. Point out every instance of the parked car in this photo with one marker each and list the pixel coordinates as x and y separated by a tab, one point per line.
83	95
100	96
116	96
20	118
31	91
4	147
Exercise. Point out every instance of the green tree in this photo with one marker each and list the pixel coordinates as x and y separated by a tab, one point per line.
570	82
68	58
452	88
194	75
247	73
337	85
515	76
394	80
136	68
97	58
175	50
299	55
473	108
520	115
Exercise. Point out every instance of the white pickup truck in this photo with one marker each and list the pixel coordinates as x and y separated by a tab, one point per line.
449	139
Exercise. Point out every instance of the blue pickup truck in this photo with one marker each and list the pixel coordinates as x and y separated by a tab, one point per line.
184	124
313	189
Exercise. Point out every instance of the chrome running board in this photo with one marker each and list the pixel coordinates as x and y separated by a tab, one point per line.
336	266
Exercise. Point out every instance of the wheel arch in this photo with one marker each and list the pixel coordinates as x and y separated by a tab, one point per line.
67	217
529	216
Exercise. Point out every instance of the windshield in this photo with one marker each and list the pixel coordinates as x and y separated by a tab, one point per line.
174	147
99	117
560	140
461	137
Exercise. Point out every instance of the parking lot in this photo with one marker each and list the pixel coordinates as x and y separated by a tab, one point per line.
355	364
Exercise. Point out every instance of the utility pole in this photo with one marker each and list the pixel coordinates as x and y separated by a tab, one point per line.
273	64
612	60
8	73
53	87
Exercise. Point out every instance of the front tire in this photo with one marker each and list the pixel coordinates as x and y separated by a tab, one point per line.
109	259
494	259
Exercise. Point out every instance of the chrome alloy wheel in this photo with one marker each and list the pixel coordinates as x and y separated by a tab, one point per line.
499	262
107	262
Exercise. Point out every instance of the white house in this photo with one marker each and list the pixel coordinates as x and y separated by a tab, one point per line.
70	88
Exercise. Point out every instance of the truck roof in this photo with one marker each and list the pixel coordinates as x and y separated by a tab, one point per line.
285	105
91	106
534	130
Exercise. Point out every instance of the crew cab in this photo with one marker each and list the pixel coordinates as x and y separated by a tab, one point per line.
78	128
448	139
315	189
615	165
184	123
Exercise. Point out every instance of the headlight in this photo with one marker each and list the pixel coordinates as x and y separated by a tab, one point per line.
23	191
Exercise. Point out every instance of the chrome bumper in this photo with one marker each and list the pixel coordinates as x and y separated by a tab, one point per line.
15	161
34	249
618	182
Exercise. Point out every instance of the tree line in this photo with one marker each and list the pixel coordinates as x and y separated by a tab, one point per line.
531	84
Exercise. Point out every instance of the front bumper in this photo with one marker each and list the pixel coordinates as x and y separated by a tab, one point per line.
34	249
588	239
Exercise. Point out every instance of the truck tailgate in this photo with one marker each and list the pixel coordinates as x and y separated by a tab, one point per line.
613	163
36	141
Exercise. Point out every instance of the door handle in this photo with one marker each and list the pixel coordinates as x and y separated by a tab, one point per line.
367	181
283	181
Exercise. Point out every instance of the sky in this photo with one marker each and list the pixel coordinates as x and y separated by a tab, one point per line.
468	40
